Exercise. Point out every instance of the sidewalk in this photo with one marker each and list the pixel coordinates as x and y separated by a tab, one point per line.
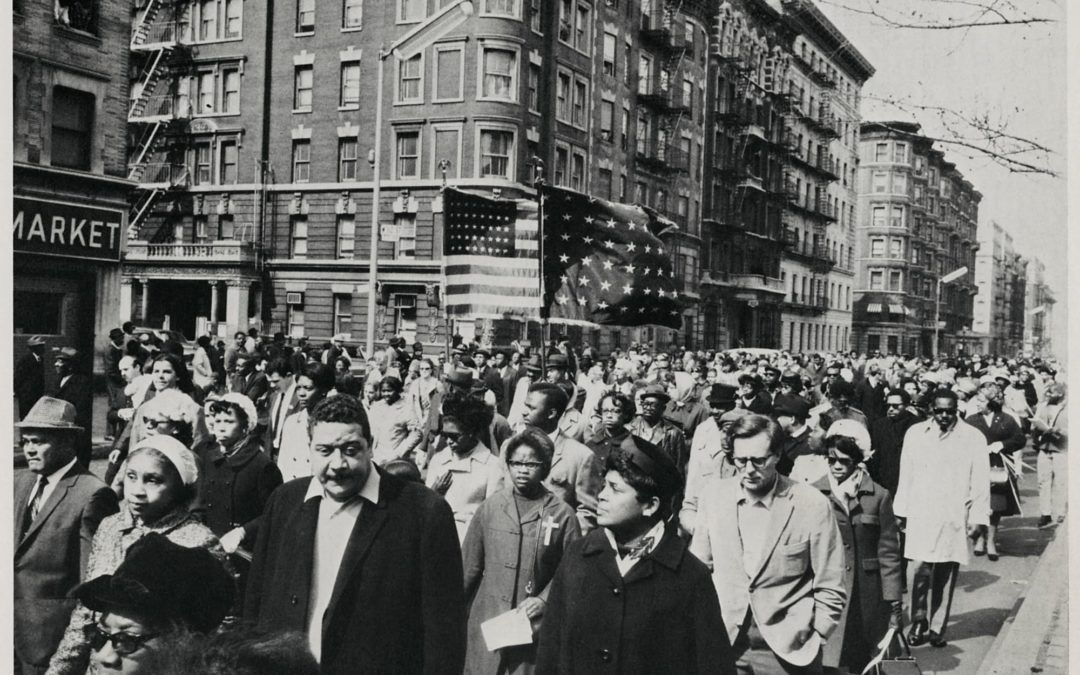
1036	638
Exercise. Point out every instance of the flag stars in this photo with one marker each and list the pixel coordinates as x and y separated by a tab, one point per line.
589	219
647	290
566	216
608	264
631	247
561	299
584	281
628	289
611	223
586	261
605	285
602	305
629	269
587	240
648	249
581	301
564	237
564	258
609	244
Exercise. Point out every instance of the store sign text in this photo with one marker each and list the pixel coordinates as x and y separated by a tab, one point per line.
69	230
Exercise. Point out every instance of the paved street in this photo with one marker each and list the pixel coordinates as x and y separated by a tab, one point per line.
987	592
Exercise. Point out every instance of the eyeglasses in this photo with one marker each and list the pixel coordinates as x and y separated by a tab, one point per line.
525	465
123	643
451	436
945	411
894	405
846	461
758	462
152	423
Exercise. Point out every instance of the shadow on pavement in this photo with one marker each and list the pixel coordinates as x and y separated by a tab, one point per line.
973	580
976	623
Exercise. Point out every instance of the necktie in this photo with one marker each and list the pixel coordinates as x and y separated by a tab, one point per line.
35	503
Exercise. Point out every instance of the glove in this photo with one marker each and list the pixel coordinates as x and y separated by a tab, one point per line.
896	615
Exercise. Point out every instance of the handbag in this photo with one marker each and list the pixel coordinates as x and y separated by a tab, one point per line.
999	475
901	664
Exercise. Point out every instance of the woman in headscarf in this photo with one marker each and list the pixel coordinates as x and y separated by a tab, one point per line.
684	409
160	479
394	428
873	576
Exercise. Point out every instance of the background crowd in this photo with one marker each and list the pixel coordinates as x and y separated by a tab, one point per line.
267	502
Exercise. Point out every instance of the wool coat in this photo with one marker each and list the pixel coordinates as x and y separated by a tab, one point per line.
398	602
1004	497
233	490
662	617
872	573
51	558
505	562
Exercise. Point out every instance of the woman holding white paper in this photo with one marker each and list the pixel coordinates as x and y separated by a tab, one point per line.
511	550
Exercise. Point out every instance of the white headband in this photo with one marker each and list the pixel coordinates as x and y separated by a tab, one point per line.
187	465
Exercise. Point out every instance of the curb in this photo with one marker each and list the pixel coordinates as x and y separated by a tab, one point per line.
1016	648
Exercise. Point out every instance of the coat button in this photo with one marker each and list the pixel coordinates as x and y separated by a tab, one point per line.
605	655
292	600
615	590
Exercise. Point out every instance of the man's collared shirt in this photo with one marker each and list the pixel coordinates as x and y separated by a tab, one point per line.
53	479
753	513
627	562
335	526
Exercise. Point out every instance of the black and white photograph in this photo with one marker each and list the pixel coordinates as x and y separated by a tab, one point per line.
563	337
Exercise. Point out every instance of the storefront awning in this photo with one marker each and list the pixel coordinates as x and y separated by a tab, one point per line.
896	309
873	307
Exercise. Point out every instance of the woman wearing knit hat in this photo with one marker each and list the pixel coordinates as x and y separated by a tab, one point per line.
160	479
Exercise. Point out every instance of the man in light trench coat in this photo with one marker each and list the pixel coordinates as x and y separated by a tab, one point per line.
942	499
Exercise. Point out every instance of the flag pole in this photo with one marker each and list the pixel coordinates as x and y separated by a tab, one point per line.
538	183
444	166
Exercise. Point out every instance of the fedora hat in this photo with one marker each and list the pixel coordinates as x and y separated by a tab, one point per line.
460	377
557	361
35	341
533	364
721	394
50	413
68	353
655	391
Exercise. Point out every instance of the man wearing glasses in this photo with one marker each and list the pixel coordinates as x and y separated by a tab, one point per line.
775	552
943	497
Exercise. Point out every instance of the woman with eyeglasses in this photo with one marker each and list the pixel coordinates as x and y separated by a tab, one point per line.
160	479
873	575
160	589
511	551
464	471
237	476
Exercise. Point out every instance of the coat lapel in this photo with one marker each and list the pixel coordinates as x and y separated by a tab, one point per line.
58	494
779	515
371	520
599	553
24	484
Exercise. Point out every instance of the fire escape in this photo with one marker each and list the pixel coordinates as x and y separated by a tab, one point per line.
158	109
664	94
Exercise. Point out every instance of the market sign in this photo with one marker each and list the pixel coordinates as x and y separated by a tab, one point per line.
67	230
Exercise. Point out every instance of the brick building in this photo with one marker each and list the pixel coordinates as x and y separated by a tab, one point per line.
1000	307
917	221
253	176
1039	311
70	188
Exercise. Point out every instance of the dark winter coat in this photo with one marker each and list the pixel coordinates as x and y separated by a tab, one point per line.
663	617
1004	497
887	439
872	573
234	490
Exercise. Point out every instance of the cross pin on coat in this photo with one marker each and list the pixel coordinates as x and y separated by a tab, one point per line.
549	527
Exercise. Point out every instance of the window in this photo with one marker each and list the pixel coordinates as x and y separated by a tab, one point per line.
688	97
408	154
609	54
562	164
900	153
305	16
607	113
643	124
352	14
899	183
350	83
581	102
72	128
920	165
405	322
226	226
405	247
896	279
534	88
347	149
201	235
562	96
877	280
294	319
641	193
896	248
881	152
881	181
877	248
298	237
577	171
622	187
202	175
346	236
447	146
644	74
227	169
500	8
896	218
302	90
178	232
604	183
534	16
411	10
301	161
410	80
208	20
496	153
206	96
342	313
629	53
449	72
583	28
230	90
624	129
499	74
233	18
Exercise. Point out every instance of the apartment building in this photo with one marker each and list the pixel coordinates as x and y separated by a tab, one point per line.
1000	306
917	222
1039	304
70	60
252	133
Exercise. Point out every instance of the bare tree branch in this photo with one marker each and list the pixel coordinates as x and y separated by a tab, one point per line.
989	13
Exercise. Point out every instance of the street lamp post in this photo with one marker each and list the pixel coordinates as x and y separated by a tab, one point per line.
947	279
410	44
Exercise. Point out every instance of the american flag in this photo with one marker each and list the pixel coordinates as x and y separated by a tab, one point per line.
491	253
604	263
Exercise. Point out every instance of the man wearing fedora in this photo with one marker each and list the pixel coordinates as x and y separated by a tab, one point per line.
74	387
58	507
30	375
651	426
114	382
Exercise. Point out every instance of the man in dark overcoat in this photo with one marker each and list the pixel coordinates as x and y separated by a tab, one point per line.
629	597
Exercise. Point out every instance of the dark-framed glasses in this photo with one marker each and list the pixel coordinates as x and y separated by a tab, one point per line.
123	643
945	411
525	465
758	462
835	459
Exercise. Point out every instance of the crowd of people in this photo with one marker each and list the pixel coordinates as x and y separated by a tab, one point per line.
276	507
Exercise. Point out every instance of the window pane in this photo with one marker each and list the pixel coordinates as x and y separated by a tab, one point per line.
354	14
446	147
72	128
448	81
499	66
231	88
233	18
350	83
495	149
408	152
409	80
302	99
